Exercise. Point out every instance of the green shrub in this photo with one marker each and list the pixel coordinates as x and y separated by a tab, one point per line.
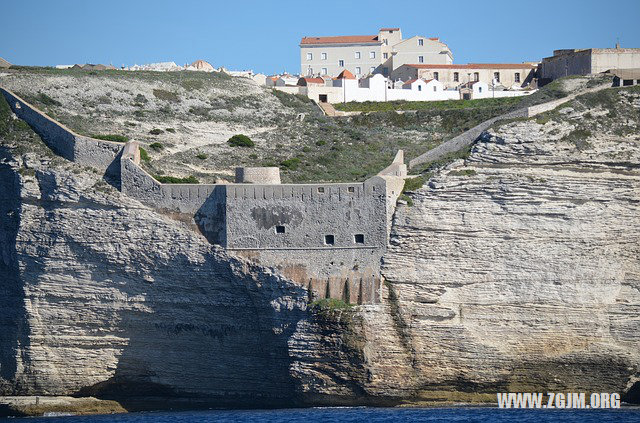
463	172
412	184
166	96
320	143
172	130
407	199
141	99
240	140
201	156
174	180
144	156
253	156
192	84
291	164
46	100
156	146
330	304
156	131
111	137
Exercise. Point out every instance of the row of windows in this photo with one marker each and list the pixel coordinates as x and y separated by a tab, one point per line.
357	55
328	239
324	71
476	76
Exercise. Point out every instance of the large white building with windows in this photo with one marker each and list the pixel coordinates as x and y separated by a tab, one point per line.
367	54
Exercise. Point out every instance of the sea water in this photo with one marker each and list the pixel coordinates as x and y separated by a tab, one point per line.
366	415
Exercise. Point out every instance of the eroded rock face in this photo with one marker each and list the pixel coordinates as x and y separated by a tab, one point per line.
103	296
520	270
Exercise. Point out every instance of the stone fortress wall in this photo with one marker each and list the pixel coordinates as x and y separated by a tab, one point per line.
83	150
328	237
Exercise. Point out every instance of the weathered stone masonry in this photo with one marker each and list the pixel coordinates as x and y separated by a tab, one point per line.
328	237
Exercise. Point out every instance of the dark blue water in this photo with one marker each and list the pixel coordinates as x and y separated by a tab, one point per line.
366	415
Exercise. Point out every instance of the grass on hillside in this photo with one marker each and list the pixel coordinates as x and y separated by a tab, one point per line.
375	106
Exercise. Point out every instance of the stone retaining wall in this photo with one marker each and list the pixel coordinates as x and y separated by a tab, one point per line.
83	150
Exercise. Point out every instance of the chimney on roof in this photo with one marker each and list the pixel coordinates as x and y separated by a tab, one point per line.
617	45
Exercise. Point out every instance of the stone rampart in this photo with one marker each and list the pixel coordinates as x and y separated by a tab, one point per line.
468	137
83	150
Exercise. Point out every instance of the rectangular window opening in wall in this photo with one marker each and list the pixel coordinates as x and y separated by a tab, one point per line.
357	54
420	59
320	189
280	229
372	55
434	89
341	63
517	77
358	71
309	56
496	76
324	71
351	189
436	76
324	56
385	55
419	87
420	42
358	238
456	77
329	240
476	76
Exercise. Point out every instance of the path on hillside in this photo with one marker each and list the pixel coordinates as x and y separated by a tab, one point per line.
467	138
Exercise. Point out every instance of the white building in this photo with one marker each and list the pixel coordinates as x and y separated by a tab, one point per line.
368	54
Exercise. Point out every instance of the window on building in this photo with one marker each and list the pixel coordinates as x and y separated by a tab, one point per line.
434	89
436	76
324	71
517	77
419	87
358	238
329	240
357	54
358	70
479	89
385	42
385	55
476	76
309	56
279	229
320	189
351	189
420	59
372	69
310	71
496	76
420	42
324	56
341	63
456	77
372	55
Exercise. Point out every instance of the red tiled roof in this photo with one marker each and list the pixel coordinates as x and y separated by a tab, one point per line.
345	74
434	38
343	39
389	29
476	66
307	81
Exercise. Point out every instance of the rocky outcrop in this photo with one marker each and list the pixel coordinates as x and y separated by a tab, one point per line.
518	269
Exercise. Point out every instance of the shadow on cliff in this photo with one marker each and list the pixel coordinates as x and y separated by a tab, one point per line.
12	312
211	334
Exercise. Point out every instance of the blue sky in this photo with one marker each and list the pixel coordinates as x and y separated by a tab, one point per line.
264	35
